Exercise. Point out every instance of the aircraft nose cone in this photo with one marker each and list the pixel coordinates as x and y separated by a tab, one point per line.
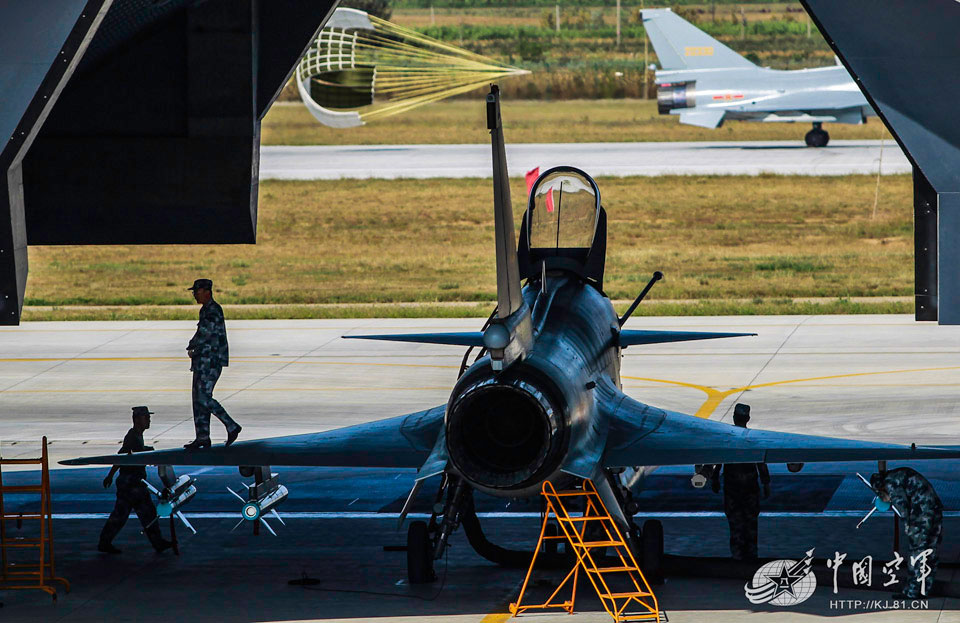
496	337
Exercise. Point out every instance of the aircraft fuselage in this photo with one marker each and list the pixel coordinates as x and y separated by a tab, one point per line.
825	94
539	419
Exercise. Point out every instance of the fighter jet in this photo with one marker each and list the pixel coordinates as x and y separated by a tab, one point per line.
707	83
542	399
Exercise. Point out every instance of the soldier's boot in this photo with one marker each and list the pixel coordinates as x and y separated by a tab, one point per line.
107	548
232	435
198	444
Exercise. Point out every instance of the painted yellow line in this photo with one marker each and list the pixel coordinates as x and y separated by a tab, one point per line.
496	618
716	396
364	363
837	385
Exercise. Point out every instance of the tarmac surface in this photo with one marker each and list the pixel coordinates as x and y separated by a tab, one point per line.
330	162
882	378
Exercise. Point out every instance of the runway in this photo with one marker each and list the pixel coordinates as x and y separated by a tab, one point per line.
840	157
883	378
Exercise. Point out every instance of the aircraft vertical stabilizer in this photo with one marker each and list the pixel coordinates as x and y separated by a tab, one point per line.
681	45
512	313
508	271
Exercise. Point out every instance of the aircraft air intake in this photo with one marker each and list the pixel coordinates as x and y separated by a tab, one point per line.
505	435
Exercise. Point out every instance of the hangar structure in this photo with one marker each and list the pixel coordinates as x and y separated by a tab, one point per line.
138	121
904	56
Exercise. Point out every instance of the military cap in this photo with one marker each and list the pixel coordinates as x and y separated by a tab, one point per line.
201	284
141	411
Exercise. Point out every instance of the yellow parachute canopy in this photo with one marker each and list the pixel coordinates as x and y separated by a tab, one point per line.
361	67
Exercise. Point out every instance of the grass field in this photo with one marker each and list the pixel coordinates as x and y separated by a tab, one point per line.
744	245
530	121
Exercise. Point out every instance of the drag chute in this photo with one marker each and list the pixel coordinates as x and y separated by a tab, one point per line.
361	67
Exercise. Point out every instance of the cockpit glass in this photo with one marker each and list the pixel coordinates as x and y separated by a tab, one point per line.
564	210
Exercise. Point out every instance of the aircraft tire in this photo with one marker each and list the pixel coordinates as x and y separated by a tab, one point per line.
419	554
651	546
817	138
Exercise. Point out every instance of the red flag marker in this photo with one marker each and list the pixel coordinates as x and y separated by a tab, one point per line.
532	176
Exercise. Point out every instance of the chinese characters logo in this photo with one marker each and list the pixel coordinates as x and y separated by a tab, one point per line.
782	582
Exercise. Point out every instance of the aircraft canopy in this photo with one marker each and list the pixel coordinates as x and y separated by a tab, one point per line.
563	209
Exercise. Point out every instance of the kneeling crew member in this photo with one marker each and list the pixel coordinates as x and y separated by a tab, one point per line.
131	492
922	511
741	496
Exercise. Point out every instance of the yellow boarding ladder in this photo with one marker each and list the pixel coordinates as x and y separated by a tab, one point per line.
18	574
620	587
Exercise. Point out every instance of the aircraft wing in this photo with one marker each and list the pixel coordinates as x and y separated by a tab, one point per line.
403	441
632	337
644	435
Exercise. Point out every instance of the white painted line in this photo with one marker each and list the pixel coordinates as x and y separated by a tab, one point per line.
501	515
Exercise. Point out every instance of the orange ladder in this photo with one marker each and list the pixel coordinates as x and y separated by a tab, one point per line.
29	575
633	590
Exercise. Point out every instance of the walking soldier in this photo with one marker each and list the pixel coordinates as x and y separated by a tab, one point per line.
131	491
209	354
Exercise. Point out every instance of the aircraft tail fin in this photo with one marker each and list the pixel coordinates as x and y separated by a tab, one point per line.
513	314
509	299
681	45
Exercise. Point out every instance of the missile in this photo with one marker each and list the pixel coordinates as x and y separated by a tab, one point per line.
174	496
878	503
172	499
263	497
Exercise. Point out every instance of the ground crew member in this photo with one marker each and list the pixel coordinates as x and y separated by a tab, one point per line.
209	354
131	492
922	511
741	496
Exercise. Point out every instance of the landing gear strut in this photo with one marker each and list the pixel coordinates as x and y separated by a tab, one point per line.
427	542
817	137
646	542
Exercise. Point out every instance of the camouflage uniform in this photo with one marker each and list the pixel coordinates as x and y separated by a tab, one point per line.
741	503
133	494
922	513
210	354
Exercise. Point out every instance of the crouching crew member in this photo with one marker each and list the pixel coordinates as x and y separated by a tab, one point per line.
922	512
741	496
131	492
209	354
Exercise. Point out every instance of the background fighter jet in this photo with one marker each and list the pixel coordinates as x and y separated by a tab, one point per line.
706	83
543	399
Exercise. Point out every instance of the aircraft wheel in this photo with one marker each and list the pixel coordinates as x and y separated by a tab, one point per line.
419	554
817	138
651	541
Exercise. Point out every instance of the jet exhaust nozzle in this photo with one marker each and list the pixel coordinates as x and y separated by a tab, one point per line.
671	96
505	434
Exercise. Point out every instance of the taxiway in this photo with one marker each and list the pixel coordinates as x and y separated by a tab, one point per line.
885	378
330	162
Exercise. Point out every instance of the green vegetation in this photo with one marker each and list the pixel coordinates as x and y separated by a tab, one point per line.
583	59
347	248
773	34
530	121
